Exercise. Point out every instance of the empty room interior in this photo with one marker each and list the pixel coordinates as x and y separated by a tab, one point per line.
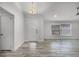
39	29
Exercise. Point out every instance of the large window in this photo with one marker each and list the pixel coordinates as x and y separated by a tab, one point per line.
66	30
62	29
56	29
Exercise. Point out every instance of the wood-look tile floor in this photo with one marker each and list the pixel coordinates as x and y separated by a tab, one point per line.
48	48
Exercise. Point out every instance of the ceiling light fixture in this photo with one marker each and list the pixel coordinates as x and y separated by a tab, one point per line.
77	11
33	8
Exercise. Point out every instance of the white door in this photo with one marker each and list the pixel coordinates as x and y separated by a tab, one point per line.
6	38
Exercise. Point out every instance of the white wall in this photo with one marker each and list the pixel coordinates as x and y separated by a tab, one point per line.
75	30
18	23
48	33
33	28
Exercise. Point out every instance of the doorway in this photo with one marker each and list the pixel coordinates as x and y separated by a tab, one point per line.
6	30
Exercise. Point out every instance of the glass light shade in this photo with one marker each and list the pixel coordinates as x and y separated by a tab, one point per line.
77	10
32	9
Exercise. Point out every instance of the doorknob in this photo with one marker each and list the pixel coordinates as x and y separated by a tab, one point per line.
1	34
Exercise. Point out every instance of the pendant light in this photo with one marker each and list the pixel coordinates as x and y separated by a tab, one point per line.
77	11
33	8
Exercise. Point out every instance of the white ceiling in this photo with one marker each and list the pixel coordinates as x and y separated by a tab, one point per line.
53	10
